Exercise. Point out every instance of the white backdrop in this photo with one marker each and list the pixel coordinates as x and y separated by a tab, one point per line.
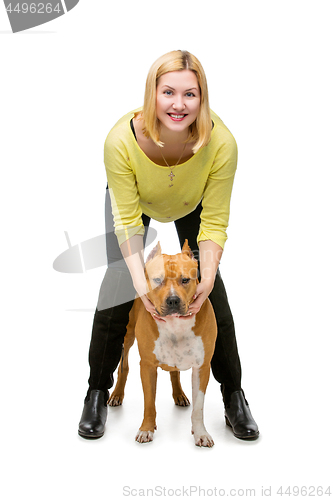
63	86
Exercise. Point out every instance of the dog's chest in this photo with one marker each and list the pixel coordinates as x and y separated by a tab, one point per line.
177	345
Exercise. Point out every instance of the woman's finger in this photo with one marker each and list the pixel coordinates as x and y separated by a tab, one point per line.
151	308
195	306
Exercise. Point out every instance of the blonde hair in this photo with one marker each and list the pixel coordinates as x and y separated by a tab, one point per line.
177	60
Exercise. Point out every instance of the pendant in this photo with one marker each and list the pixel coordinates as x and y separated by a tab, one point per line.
171	175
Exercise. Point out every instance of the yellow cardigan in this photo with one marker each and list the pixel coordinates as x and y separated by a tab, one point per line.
137	185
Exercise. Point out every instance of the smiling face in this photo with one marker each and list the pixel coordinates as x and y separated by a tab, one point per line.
177	100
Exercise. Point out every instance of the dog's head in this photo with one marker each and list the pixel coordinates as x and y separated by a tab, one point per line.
172	280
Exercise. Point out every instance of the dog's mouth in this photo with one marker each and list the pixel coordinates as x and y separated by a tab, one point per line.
173	315
178	310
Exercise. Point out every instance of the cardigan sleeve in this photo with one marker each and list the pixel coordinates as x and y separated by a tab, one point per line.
124	195
217	194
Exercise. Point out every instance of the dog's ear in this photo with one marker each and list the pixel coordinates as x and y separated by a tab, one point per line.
155	251
186	249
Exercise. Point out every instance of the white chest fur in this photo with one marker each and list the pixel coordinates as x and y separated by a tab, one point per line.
177	345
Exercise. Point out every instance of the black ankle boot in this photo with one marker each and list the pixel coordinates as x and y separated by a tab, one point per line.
94	415
239	418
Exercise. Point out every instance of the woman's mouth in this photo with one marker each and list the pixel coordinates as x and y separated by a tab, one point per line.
176	118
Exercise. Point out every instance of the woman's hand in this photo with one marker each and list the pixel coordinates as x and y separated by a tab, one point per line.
142	290
151	308
203	290
132	250
210	255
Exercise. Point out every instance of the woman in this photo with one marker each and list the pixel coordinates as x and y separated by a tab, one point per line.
173	160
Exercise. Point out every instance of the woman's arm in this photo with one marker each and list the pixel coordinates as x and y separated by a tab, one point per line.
215	216
210	255
132	251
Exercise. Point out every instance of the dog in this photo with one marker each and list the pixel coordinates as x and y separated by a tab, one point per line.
178	343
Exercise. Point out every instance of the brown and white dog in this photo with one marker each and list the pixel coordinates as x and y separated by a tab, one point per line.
178	343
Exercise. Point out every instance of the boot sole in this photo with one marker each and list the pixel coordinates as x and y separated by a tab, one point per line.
246	438
90	436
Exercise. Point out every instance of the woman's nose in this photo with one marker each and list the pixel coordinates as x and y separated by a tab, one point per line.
179	103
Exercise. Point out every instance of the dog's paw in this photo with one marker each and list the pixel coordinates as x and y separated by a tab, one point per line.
144	436
203	440
115	400
182	400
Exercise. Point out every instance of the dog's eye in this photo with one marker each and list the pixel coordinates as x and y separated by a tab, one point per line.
185	281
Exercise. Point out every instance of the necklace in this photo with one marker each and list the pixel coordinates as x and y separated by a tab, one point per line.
172	175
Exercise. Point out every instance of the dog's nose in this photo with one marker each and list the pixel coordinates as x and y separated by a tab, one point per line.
173	301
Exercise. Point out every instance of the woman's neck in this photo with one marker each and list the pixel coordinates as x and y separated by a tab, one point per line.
171	138
173	146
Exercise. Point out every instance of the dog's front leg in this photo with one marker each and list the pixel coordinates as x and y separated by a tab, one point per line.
200	377
117	396
178	394
148	378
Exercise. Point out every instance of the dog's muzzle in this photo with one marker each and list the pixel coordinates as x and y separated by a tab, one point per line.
173	305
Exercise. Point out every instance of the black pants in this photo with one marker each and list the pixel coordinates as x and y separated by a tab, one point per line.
116	299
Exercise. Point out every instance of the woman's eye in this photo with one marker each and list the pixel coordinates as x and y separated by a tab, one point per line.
190	94
168	92
158	281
